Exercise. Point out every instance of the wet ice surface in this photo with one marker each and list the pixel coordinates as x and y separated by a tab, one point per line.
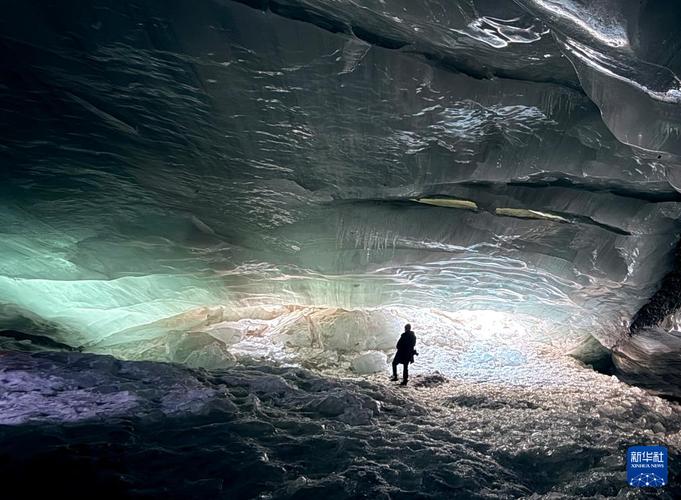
266	431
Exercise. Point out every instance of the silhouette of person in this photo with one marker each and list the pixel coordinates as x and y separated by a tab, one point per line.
405	353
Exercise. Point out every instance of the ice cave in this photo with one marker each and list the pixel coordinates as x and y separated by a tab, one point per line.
217	217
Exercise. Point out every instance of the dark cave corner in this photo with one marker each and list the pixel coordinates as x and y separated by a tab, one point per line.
664	302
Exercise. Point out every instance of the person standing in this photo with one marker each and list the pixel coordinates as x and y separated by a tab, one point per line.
405	353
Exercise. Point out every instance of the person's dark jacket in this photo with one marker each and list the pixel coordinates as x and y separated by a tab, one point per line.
405	348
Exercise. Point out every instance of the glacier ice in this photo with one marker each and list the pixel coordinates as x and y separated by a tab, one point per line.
177	185
650	359
370	362
244	201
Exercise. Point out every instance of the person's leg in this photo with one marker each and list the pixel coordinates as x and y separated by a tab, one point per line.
405	373
395	368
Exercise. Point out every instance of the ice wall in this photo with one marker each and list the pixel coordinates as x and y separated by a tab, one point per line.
162	159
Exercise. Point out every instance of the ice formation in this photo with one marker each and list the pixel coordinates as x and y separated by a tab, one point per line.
260	431
375	155
263	192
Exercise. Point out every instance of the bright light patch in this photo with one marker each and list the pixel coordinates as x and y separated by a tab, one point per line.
485	345
529	214
448	203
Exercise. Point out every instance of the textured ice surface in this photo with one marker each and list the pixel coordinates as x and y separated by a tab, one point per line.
617	48
651	359
477	345
206	182
369	362
169	158
62	388
170	176
263	431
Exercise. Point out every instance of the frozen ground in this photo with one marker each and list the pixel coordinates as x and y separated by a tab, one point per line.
74	423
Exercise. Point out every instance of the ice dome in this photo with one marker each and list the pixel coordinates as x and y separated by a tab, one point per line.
255	188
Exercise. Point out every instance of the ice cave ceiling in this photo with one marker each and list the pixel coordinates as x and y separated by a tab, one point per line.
164	160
